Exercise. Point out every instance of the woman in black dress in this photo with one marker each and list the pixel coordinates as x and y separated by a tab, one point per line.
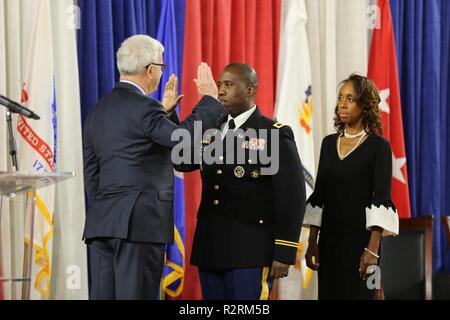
351	204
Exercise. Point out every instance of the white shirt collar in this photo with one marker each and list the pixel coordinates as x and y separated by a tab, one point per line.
239	120
136	85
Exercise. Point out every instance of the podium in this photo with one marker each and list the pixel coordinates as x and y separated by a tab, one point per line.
18	191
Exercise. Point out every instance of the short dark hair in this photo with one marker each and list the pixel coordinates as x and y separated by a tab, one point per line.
368	99
247	72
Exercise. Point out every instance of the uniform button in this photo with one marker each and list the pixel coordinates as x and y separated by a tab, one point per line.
261	221
216	187
216	202
219	171
221	158
255	174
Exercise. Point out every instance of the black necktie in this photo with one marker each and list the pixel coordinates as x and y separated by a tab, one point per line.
231	124
230	132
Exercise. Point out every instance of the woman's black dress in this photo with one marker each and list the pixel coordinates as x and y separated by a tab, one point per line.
350	196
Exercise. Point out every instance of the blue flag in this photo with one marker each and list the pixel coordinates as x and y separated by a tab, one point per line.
173	274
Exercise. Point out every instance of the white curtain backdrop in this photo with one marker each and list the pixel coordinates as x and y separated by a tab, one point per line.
338	44
69	263
10	85
5	236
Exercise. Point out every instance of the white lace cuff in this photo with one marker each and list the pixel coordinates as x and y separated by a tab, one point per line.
382	217
313	216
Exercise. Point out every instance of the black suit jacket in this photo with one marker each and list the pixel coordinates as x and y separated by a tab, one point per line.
127	164
247	219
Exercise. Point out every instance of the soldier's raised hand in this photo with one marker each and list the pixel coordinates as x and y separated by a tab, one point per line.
205	81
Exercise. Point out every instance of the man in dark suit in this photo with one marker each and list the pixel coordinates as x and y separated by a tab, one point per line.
249	220
129	174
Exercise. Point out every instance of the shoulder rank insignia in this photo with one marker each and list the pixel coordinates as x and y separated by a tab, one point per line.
279	125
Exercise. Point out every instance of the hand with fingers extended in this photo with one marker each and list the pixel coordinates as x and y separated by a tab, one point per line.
312	256
205	82
279	270
171	98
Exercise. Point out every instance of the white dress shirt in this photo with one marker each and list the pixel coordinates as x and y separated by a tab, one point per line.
238	121
136	85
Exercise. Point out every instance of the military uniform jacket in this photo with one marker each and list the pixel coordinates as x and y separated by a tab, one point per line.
127	164
247	219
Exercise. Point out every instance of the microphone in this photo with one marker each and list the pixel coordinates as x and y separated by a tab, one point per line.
15	107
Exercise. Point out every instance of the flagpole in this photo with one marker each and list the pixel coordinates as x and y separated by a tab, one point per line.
28	247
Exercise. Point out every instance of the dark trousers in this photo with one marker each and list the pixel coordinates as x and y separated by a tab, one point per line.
235	284
124	270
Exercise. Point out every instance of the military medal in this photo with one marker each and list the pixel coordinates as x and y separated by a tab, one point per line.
257	144
239	172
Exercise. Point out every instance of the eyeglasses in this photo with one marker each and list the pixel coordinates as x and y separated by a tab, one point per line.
162	65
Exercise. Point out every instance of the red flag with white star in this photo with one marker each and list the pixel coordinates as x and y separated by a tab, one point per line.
383	72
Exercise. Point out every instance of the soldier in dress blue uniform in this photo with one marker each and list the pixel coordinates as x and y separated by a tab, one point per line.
249	222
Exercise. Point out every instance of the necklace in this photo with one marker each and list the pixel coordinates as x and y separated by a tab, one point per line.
350	136
354	148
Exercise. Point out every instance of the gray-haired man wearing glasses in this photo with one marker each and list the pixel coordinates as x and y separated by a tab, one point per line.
129	174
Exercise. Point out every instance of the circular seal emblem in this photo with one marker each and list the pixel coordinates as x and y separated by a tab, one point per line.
239	172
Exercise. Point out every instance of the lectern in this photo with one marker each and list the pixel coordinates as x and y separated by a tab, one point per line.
18	190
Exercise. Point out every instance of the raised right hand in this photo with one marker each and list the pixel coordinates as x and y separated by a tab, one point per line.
171	98
205	82
312	256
